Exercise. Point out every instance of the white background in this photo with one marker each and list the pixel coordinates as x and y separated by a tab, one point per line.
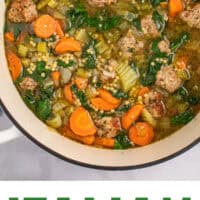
100	190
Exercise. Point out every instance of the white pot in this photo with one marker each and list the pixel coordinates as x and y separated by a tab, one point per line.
69	150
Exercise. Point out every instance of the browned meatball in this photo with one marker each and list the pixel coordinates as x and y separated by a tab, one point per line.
28	84
192	16
108	126
129	42
22	11
154	104
101	3
149	27
168	79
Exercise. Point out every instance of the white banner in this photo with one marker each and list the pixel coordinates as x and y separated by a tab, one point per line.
82	190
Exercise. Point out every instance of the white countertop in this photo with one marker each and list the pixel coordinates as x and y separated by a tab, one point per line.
23	160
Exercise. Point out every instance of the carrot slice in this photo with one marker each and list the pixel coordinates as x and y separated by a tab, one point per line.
107	96
81	83
68	93
56	77
175	7
14	64
67	45
143	91
105	142
9	36
141	134
89	140
131	115
81	123
101	104
45	26
59	30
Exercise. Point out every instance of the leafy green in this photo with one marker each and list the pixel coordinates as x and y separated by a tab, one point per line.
81	96
39	71
137	24
193	100
159	21
155	3
120	94
29	99
183	118
89	54
183	92
180	41
124	108
79	17
122	141
61	63
43	109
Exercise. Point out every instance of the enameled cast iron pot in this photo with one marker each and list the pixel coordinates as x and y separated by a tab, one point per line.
69	150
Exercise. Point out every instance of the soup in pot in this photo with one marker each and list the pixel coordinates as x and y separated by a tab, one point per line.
107	73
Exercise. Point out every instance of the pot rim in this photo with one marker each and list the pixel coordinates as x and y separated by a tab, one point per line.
92	166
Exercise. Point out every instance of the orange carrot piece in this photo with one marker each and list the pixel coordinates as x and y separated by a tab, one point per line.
45	26
141	134
143	91
181	63
101	104
105	142
107	96
14	64
81	83
89	140
68	93
59	30
56	77
81	123
9	36
131	115
67	45
175	7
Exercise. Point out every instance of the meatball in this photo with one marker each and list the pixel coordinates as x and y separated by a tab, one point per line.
129	42
101	3
168	79
164	46
28	84
149	27
22	11
192	16
157	109
154	104
108	126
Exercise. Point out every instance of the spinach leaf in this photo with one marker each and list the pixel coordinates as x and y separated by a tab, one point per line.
61	63
183	118
29	99
159	21
122	141
43	109
193	100
120	94
137	24
79	17
89	54
37	75
81	96
181	40
124	108
155	3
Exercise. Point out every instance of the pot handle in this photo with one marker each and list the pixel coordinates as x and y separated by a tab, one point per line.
9	132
